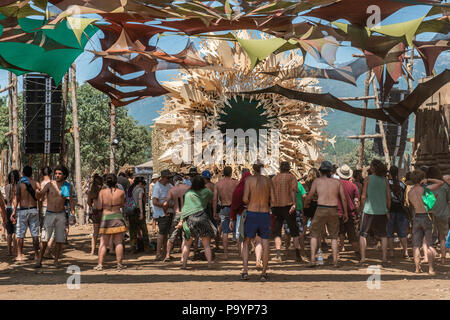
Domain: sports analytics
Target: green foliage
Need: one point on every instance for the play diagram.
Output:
(346, 152)
(93, 118)
(4, 125)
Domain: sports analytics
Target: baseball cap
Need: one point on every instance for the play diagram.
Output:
(207, 174)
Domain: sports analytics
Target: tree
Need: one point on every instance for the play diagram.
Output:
(93, 117)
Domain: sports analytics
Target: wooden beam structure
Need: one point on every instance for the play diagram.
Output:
(366, 136)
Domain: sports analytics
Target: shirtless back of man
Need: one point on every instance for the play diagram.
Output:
(415, 199)
(24, 197)
(224, 189)
(257, 193)
(327, 190)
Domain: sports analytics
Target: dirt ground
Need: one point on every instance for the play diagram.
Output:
(146, 279)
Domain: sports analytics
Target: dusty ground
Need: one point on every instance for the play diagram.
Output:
(147, 279)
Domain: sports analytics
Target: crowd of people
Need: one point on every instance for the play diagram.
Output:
(191, 211)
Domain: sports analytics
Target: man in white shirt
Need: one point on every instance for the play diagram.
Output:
(162, 217)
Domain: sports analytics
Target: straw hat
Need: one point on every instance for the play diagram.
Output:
(344, 172)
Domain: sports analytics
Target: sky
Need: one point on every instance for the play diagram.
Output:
(87, 69)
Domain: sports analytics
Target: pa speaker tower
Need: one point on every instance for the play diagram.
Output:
(43, 115)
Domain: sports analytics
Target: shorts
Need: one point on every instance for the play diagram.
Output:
(348, 228)
(10, 227)
(164, 224)
(397, 222)
(375, 222)
(27, 218)
(299, 216)
(224, 215)
(282, 214)
(422, 228)
(325, 216)
(54, 222)
(257, 223)
(175, 233)
(442, 227)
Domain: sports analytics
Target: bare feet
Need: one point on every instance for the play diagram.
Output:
(418, 269)
(259, 265)
(21, 259)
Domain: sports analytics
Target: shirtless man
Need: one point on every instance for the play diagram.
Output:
(223, 191)
(46, 173)
(27, 216)
(422, 225)
(55, 217)
(329, 191)
(258, 190)
(175, 200)
(283, 208)
(42, 204)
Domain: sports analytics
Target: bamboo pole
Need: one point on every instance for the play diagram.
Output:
(65, 94)
(380, 124)
(363, 123)
(76, 131)
(15, 124)
(365, 98)
(10, 113)
(112, 127)
(365, 136)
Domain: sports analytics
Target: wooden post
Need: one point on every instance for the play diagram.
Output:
(363, 122)
(15, 163)
(76, 132)
(65, 95)
(380, 124)
(10, 121)
(112, 126)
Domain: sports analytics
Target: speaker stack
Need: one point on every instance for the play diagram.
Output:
(43, 115)
(396, 135)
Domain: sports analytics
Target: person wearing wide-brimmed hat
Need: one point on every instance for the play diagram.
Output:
(162, 217)
(352, 196)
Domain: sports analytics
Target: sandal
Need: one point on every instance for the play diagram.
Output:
(38, 265)
(244, 276)
(386, 264)
(264, 277)
(98, 268)
(311, 265)
(121, 267)
(363, 264)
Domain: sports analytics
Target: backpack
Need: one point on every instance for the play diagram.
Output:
(130, 204)
(428, 198)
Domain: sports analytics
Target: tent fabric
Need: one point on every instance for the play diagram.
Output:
(394, 114)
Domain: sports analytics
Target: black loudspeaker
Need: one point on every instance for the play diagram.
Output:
(43, 115)
(396, 135)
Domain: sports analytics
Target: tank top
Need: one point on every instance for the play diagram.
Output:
(376, 196)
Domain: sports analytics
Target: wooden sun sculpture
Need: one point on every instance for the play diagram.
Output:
(208, 94)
